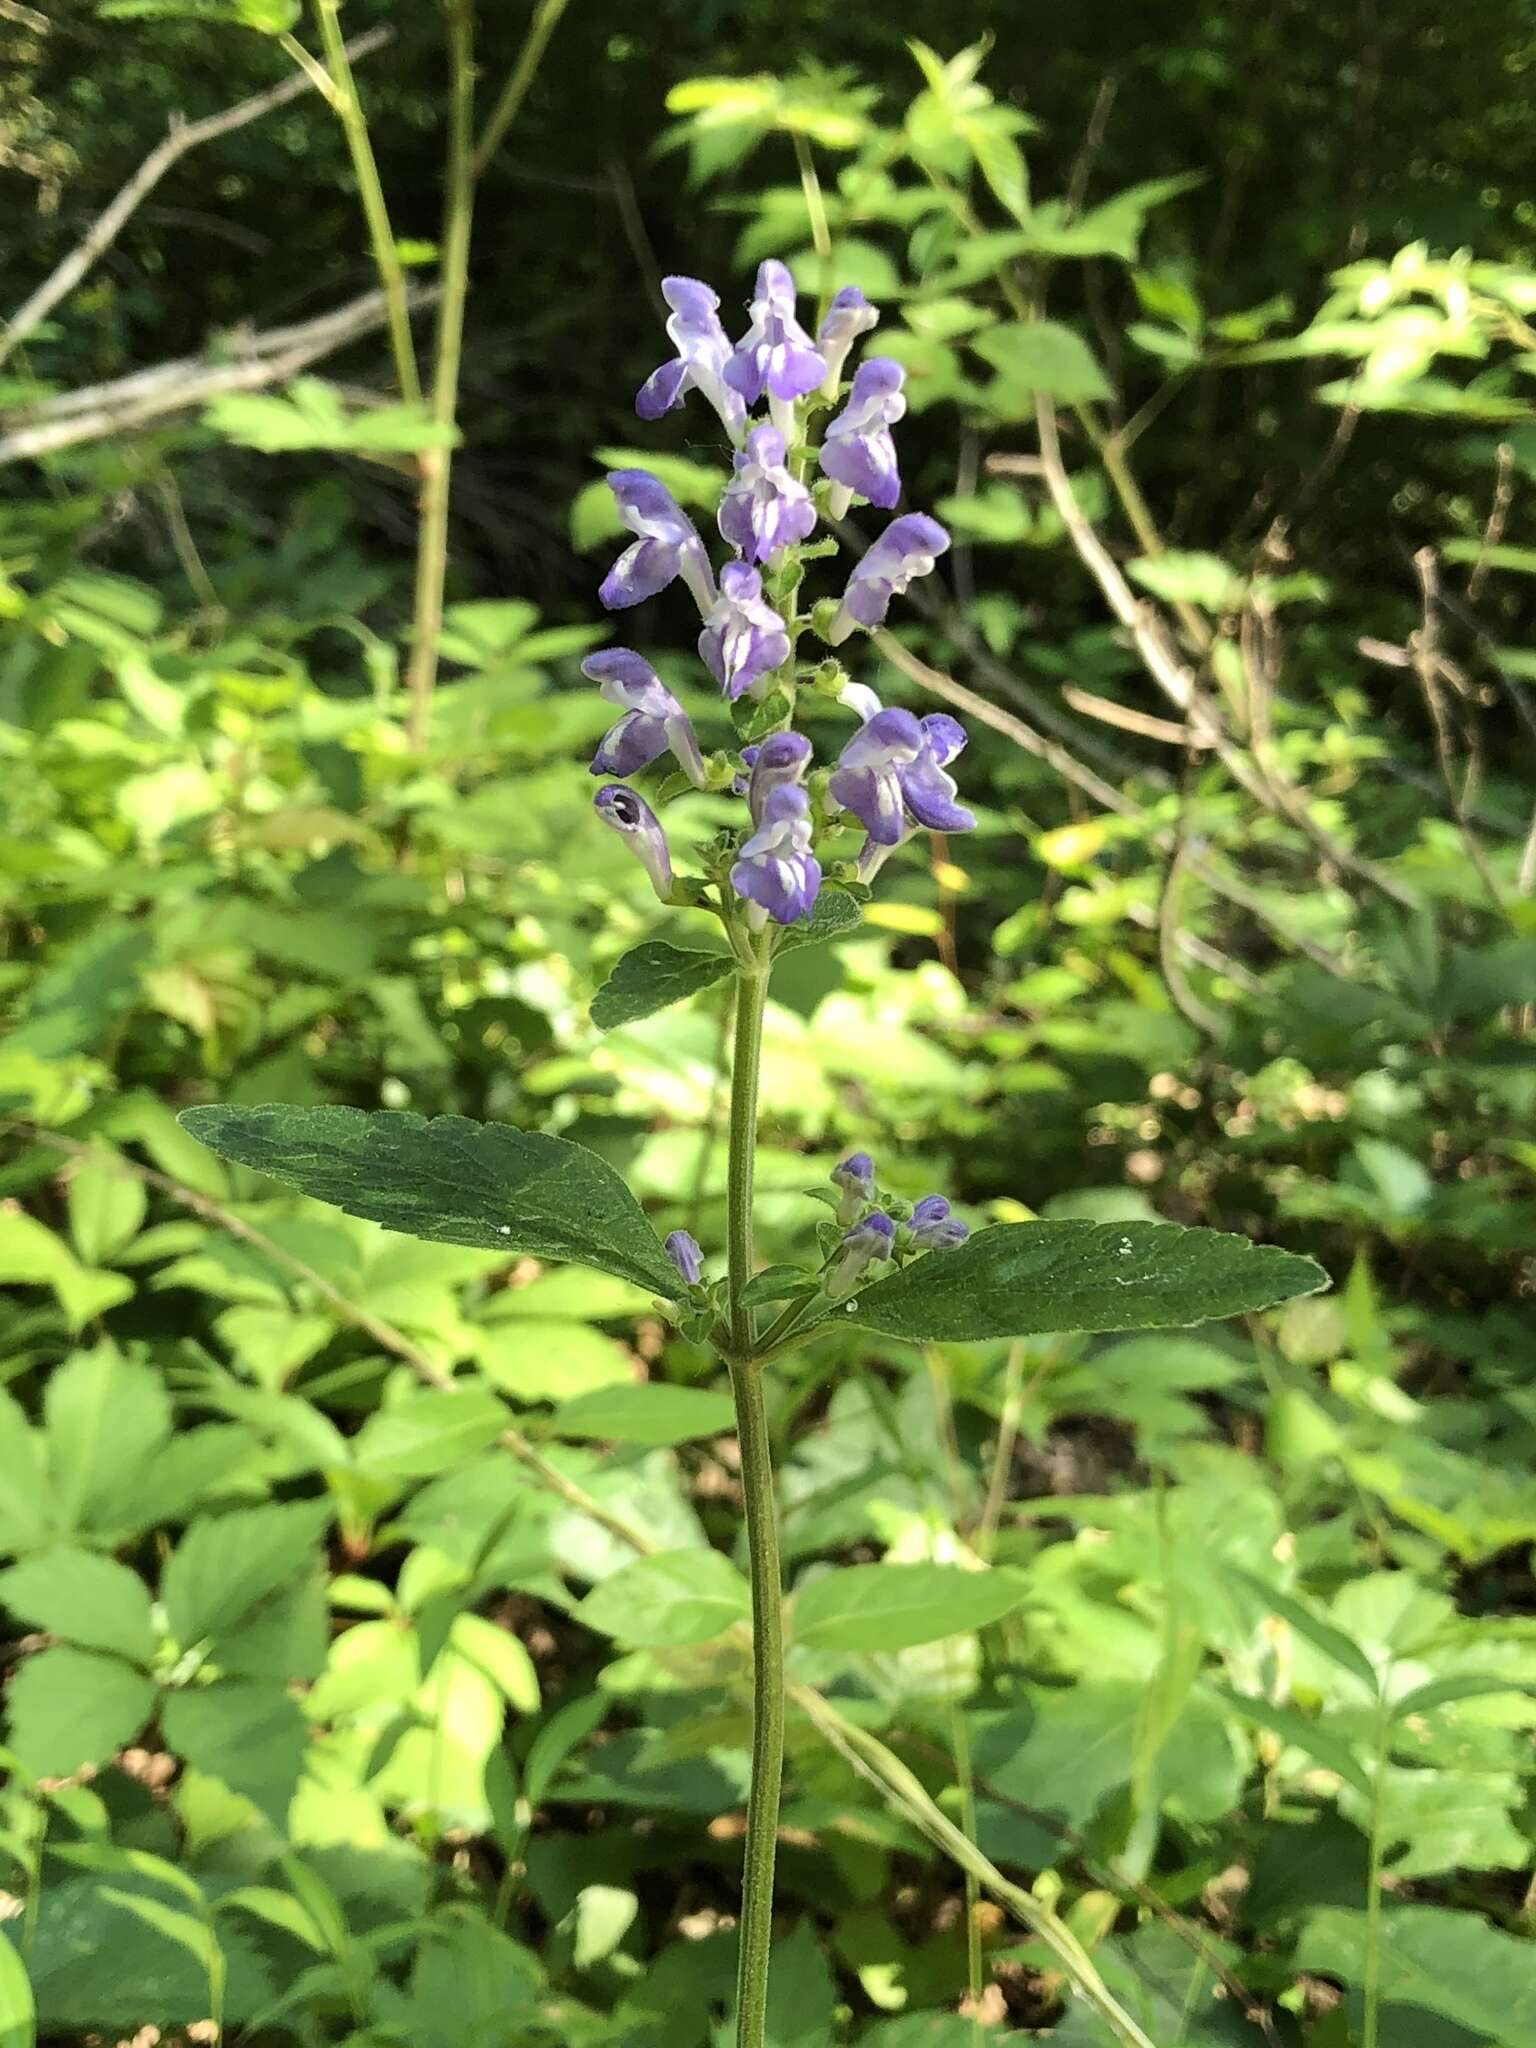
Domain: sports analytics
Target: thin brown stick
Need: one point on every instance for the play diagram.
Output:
(1498, 519)
(1173, 676)
(154, 394)
(1432, 668)
(1077, 776)
(1142, 723)
(183, 136)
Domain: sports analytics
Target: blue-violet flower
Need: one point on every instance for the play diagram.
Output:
(684, 1251)
(867, 779)
(849, 315)
(703, 350)
(867, 1244)
(634, 820)
(781, 759)
(935, 1227)
(744, 639)
(857, 450)
(907, 549)
(764, 508)
(653, 719)
(775, 354)
(777, 873)
(668, 545)
(855, 1181)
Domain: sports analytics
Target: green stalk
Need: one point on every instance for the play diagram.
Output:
(437, 463)
(756, 1936)
(1370, 2030)
(510, 99)
(349, 111)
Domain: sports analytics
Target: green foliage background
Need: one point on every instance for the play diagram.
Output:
(372, 1608)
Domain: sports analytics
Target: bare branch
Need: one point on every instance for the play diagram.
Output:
(149, 395)
(182, 136)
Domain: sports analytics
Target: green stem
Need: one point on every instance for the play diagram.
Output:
(437, 463)
(756, 1936)
(349, 111)
(1372, 1985)
(510, 98)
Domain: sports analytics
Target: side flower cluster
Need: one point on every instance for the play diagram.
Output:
(873, 1234)
(806, 447)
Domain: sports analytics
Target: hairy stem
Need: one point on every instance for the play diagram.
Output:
(756, 1938)
(349, 111)
(437, 463)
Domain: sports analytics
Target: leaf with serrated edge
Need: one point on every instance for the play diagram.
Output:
(653, 977)
(450, 1181)
(1026, 1279)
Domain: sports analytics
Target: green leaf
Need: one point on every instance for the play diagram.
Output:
(107, 1418)
(1333, 1643)
(18, 2014)
(85, 1598)
(250, 1736)
(450, 1181)
(226, 1564)
(1453, 1964)
(653, 977)
(1444, 1692)
(835, 915)
(663, 1602)
(106, 1207)
(894, 1606)
(645, 1414)
(1190, 578)
(69, 1708)
(1039, 356)
(1025, 1279)
(1291, 1725)
(427, 1431)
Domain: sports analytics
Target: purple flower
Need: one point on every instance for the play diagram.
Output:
(867, 1244)
(668, 547)
(777, 873)
(867, 780)
(907, 549)
(775, 354)
(653, 719)
(632, 817)
(743, 639)
(684, 1252)
(855, 1181)
(764, 508)
(935, 1227)
(703, 351)
(782, 759)
(849, 315)
(928, 792)
(857, 451)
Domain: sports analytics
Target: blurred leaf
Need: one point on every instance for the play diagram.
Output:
(678, 1597)
(648, 1414)
(69, 1708)
(85, 1598)
(894, 1606)
(1038, 356)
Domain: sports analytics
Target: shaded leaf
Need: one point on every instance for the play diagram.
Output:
(450, 1181)
(894, 1606)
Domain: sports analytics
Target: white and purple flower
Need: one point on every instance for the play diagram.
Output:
(891, 774)
(869, 1243)
(744, 639)
(935, 1227)
(775, 354)
(855, 1183)
(765, 508)
(668, 545)
(637, 824)
(781, 760)
(703, 350)
(777, 873)
(849, 315)
(907, 549)
(858, 450)
(653, 720)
